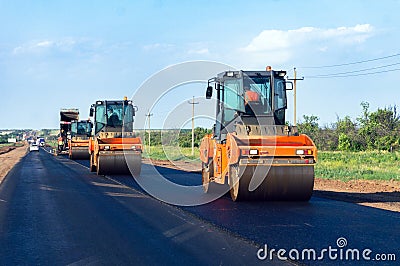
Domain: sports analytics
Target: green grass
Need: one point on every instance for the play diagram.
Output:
(18, 144)
(6, 145)
(171, 153)
(52, 143)
(369, 165)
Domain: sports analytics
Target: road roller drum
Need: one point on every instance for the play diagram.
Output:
(119, 163)
(278, 183)
(79, 154)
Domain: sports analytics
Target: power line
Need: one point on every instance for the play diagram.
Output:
(193, 103)
(148, 117)
(295, 95)
(354, 71)
(354, 75)
(353, 63)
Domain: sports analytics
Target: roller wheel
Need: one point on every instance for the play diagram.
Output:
(234, 182)
(205, 177)
(99, 170)
(92, 166)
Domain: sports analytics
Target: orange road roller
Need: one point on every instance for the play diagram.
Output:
(78, 143)
(251, 147)
(114, 147)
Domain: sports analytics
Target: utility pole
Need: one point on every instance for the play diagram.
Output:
(294, 96)
(148, 117)
(193, 103)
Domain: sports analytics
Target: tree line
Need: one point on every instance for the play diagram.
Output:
(379, 130)
(181, 138)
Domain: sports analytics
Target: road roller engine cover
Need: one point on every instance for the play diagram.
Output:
(78, 143)
(251, 147)
(114, 148)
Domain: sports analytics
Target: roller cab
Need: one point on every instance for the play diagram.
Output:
(251, 148)
(113, 146)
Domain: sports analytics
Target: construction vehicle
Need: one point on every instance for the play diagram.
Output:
(66, 117)
(78, 143)
(114, 148)
(251, 147)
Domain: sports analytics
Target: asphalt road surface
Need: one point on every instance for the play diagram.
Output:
(54, 211)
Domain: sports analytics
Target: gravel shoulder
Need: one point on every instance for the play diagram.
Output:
(9, 157)
(374, 193)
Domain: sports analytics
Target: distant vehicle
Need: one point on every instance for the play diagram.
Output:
(33, 147)
(40, 142)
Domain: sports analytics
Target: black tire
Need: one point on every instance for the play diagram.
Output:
(92, 166)
(205, 177)
(234, 182)
(98, 170)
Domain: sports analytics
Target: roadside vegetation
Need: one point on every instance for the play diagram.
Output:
(171, 153)
(18, 144)
(173, 144)
(6, 144)
(52, 143)
(379, 131)
(367, 147)
(349, 165)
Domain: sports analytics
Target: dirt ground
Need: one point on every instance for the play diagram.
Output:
(373, 193)
(9, 156)
(377, 194)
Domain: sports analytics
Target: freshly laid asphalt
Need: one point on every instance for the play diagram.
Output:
(317, 224)
(54, 211)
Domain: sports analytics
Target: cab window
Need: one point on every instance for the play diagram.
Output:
(233, 98)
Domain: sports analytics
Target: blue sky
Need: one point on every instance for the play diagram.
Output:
(62, 54)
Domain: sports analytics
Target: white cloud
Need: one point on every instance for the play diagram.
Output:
(349, 35)
(269, 40)
(323, 49)
(194, 48)
(156, 46)
(278, 46)
(151, 46)
(43, 46)
(33, 47)
(201, 51)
